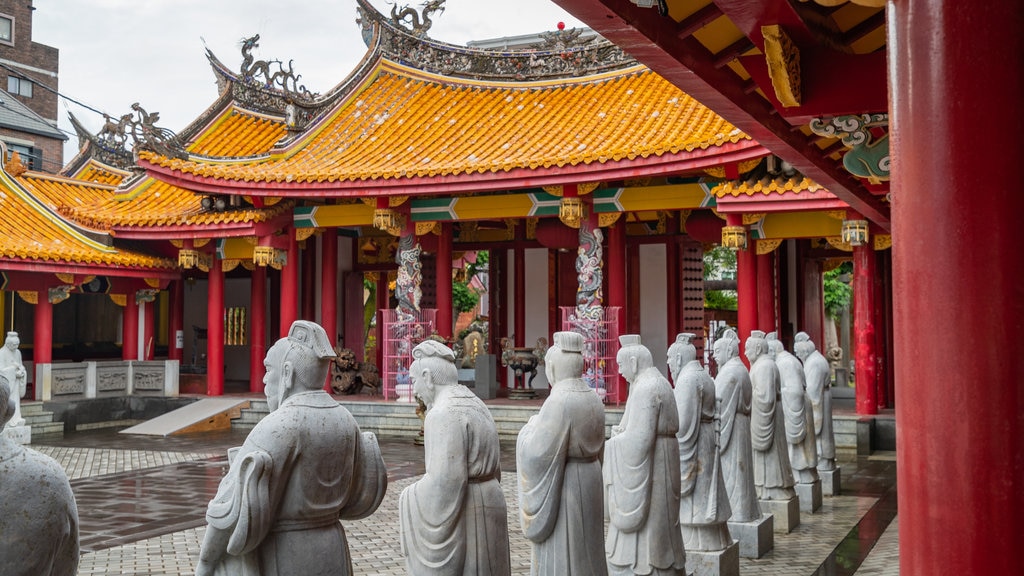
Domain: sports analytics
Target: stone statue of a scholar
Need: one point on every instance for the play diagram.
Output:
(12, 367)
(301, 470)
(38, 516)
(799, 424)
(453, 520)
(704, 502)
(773, 476)
(641, 473)
(558, 460)
(819, 390)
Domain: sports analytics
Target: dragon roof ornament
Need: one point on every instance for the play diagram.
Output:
(117, 140)
(560, 54)
(108, 146)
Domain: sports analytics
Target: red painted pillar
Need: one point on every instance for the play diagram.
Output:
(746, 286)
(765, 292)
(308, 284)
(42, 340)
(881, 380)
(148, 326)
(329, 288)
(129, 328)
(215, 329)
(864, 352)
(443, 276)
(176, 319)
(958, 304)
(616, 278)
(290, 286)
(257, 328)
(673, 291)
(519, 320)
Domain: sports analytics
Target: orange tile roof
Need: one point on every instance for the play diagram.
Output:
(406, 123)
(99, 173)
(31, 231)
(771, 187)
(238, 132)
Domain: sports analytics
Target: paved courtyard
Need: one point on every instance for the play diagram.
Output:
(142, 502)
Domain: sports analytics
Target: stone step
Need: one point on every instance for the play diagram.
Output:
(41, 421)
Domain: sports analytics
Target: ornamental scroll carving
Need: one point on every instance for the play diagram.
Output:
(868, 156)
(150, 381)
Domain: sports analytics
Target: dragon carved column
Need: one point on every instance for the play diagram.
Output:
(407, 282)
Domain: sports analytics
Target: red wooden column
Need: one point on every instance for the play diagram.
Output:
(864, 353)
(765, 290)
(290, 286)
(257, 328)
(443, 277)
(215, 329)
(616, 276)
(308, 283)
(129, 327)
(148, 351)
(42, 333)
(519, 279)
(176, 319)
(329, 288)
(957, 295)
(746, 287)
(673, 290)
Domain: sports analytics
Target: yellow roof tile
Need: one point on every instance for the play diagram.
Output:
(765, 188)
(93, 171)
(405, 123)
(238, 132)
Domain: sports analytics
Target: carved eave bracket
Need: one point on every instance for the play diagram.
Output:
(867, 137)
(783, 58)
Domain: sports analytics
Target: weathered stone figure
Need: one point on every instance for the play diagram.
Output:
(558, 460)
(797, 412)
(14, 370)
(733, 392)
(641, 472)
(704, 502)
(773, 475)
(304, 467)
(819, 390)
(453, 520)
(38, 516)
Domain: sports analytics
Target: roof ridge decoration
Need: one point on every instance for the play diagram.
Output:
(560, 55)
(106, 146)
(418, 22)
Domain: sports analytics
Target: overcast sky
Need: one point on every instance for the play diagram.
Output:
(116, 52)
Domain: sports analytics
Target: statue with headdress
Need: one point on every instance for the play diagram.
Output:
(797, 413)
(773, 476)
(819, 390)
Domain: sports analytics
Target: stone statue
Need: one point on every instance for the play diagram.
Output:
(773, 475)
(453, 520)
(796, 409)
(704, 502)
(302, 468)
(14, 370)
(733, 392)
(558, 460)
(641, 472)
(38, 515)
(819, 390)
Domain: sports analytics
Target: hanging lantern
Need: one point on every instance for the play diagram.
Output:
(734, 237)
(388, 220)
(570, 211)
(264, 255)
(855, 232)
(188, 258)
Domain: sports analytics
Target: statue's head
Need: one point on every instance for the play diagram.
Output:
(433, 366)
(680, 353)
(803, 346)
(727, 347)
(633, 357)
(297, 363)
(755, 345)
(774, 345)
(6, 402)
(12, 342)
(564, 359)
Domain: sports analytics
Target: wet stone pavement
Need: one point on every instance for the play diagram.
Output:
(142, 502)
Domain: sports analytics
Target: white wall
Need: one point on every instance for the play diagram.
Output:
(536, 304)
(653, 321)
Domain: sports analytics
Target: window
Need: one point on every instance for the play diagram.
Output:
(19, 86)
(6, 29)
(31, 156)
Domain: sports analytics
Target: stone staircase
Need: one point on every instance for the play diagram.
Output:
(399, 419)
(41, 421)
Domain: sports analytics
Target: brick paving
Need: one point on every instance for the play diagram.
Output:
(141, 510)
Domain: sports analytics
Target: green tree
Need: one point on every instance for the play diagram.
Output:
(464, 299)
(720, 264)
(838, 292)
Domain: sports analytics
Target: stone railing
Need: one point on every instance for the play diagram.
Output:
(80, 380)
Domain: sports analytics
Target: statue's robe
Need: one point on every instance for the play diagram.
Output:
(38, 515)
(799, 416)
(772, 472)
(302, 468)
(819, 390)
(733, 390)
(641, 483)
(454, 519)
(703, 499)
(561, 506)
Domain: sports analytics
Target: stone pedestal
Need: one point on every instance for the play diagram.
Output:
(755, 538)
(18, 434)
(718, 563)
(486, 385)
(786, 513)
(830, 481)
(521, 393)
(809, 495)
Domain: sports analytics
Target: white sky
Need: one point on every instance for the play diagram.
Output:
(116, 52)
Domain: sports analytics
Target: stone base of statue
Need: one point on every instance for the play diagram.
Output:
(830, 481)
(786, 513)
(755, 538)
(18, 434)
(809, 495)
(718, 563)
(521, 393)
